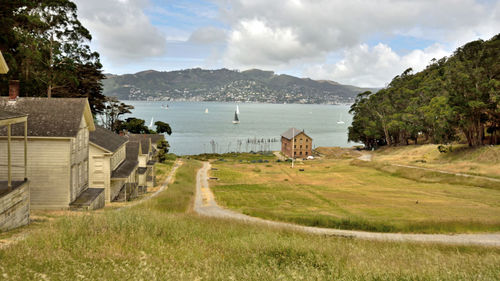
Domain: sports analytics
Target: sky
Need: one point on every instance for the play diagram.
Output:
(361, 43)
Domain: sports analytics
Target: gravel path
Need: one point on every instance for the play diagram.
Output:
(205, 205)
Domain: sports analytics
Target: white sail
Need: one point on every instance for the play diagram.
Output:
(206, 110)
(340, 120)
(237, 110)
(151, 123)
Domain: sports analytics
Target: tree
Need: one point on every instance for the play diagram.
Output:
(162, 127)
(134, 126)
(163, 148)
(452, 95)
(47, 48)
(467, 89)
(112, 111)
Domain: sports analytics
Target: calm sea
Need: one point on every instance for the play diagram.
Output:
(194, 131)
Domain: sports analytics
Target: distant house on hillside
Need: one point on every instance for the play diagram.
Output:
(58, 133)
(110, 166)
(295, 143)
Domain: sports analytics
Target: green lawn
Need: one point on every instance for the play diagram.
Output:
(157, 241)
(340, 194)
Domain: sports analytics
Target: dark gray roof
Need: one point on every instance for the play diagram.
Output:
(107, 139)
(155, 138)
(290, 133)
(124, 169)
(145, 146)
(142, 170)
(55, 117)
(132, 151)
(9, 114)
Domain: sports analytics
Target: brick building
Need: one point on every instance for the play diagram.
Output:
(301, 147)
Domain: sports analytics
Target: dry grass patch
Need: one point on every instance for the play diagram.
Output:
(334, 193)
(158, 242)
(483, 160)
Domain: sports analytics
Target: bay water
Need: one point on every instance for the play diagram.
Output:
(206, 127)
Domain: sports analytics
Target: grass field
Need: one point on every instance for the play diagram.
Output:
(484, 161)
(339, 194)
(158, 241)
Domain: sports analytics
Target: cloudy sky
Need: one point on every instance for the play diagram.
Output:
(363, 43)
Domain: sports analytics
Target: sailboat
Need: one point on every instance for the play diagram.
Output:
(206, 110)
(236, 119)
(340, 122)
(151, 123)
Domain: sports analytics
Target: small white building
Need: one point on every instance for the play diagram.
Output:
(110, 168)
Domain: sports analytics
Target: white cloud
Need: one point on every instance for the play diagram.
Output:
(122, 32)
(254, 43)
(291, 34)
(374, 66)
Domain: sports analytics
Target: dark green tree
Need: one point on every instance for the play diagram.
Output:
(162, 127)
(47, 48)
(163, 148)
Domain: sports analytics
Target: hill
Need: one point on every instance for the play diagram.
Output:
(226, 85)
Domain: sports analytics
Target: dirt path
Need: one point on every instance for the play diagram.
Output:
(205, 205)
(279, 155)
(365, 157)
(164, 186)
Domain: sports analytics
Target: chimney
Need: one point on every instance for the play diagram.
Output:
(13, 90)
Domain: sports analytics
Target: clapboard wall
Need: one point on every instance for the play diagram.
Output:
(15, 208)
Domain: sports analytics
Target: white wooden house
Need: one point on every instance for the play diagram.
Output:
(58, 148)
(110, 168)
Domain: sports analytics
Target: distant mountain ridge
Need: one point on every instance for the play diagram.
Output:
(227, 85)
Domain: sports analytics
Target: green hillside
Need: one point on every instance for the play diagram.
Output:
(226, 85)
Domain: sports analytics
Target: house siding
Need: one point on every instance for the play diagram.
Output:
(15, 208)
(79, 161)
(48, 172)
(101, 165)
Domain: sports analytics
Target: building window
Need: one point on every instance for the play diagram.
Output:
(307, 140)
(301, 153)
(301, 146)
(306, 146)
(306, 152)
(295, 153)
(294, 146)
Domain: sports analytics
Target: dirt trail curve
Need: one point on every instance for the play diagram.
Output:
(205, 205)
